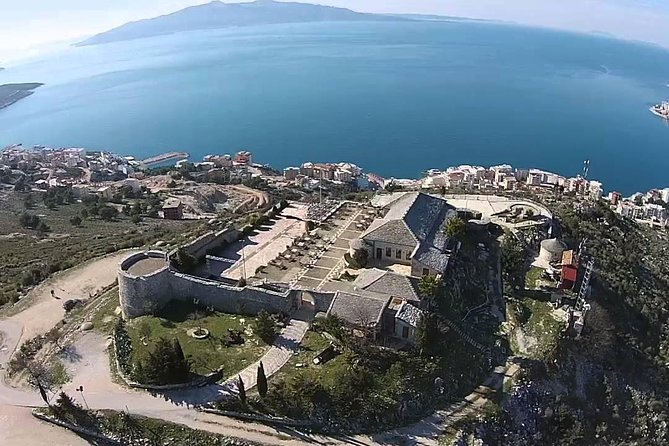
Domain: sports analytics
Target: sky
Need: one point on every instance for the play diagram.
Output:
(31, 27)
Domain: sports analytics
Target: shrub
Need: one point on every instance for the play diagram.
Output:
(166, 364)
(123, 346)
(265, 327)
(456, 228)
(107, 213)
(29, 220)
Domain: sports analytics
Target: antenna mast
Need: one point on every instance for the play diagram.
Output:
(586, 168)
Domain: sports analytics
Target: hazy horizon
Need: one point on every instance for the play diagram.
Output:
(37, 26)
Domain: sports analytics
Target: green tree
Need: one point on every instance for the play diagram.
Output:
(178, 351)
(66, 403)
(136, 209)
(29, 201)
(166, 364)
(262, 380)
(428, 334)
(108, 213)
(513, 258)
(29, 220)
(76, 220)
(43, 227)
(50, 202)
(84, 213)
(430, 288)
(456, 228)
(241, 390)
(265, 327)
(136, 219)
(184, 261)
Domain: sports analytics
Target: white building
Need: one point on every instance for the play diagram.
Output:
(290, 173)
(664, 195)
(411, 233)
(344, 176)
(595, 190)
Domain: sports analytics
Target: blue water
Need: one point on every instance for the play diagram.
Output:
(395, 98)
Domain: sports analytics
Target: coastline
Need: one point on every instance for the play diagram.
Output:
(10, 94)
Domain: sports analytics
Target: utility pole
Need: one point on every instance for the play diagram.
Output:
(80, 389)
(586, 168)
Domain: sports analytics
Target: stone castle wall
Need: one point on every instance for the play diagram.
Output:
(140, 295)
(231, 299)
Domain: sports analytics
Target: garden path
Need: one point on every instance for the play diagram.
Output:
(284, 346)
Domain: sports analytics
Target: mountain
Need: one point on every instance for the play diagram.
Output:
(216, 15)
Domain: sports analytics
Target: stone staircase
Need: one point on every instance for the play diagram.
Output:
(284, 346)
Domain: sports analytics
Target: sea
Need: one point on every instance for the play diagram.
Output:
(395, 98)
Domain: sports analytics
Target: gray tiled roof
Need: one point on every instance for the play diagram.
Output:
(359, 308)
(409, 314)
(387, 282)
(435, 251)
(391, 231)
(417, 219)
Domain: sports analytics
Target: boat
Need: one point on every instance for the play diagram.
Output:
(661, 110)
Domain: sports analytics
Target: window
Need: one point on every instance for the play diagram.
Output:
(398, 254)
(405, 332)
(408, 255)
(426, 272)
(389, 252)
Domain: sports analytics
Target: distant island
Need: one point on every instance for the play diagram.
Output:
(11, 93)
(216, 15)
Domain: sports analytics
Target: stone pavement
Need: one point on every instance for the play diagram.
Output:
(282, 349)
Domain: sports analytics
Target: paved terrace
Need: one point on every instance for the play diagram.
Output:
(345, 225)
(492, 204)
(265, 245)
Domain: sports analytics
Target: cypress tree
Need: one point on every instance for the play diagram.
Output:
(178, 351)
(241, 390)
(262, 380)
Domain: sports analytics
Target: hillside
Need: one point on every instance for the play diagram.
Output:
(610, 386)
(217, 15)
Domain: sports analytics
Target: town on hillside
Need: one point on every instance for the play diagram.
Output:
(322, 298)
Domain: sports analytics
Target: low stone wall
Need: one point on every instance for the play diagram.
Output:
(80, 430)
(259, 418)
(199, 247)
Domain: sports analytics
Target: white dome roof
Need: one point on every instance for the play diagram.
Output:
(553, 245)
